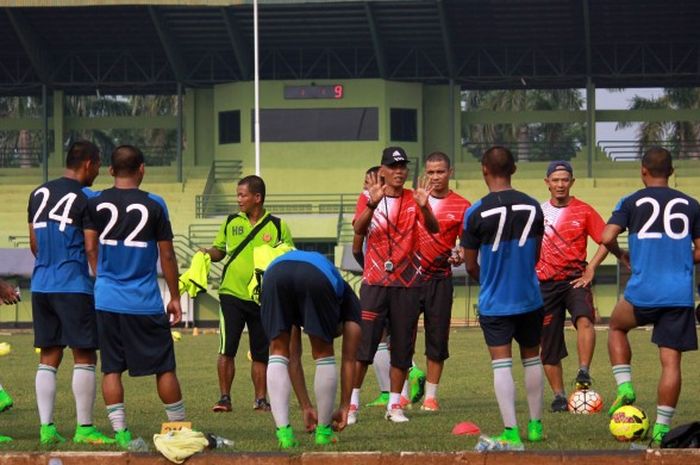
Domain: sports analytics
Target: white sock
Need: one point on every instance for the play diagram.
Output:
(622, 373)
(534, 386)
(404, 390)
(664, 414)
(175, 411)
(505, 390)
(355, 398)
(382, 366)
(430, 390)
(325, 385)
(117, 416)
(0, 387)
(279, 387)
(45, 392)
(84, 391)
(394, 399)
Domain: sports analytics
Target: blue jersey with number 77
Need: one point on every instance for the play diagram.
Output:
(130, 223)
(506, 228)
(662, 224)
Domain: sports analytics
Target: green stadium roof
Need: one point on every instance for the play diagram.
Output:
(148, 47)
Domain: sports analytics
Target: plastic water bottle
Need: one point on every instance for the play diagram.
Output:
(222, 441)
(138, 445)
(485, 443)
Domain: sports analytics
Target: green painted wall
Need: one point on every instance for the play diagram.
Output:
(437, 106)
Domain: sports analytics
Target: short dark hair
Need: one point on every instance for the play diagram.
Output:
(499, 160)
(658, 161)
(81, 151)
(126, 160)
(374, 169)
(438, 156)
(255, 184)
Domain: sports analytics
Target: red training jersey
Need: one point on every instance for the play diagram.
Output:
(566, 231)
(435, 249)
(392, 236)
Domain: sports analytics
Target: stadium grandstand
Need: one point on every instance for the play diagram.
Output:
(339, 81)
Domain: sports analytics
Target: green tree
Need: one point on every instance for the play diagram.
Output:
(680, 137)
(535, 141)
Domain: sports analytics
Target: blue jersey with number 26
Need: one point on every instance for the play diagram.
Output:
(662, 224)
(130, 223)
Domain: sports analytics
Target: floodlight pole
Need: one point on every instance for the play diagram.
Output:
(256, 85)
(45, 130)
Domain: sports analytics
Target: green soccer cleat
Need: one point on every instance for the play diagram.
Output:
(510, 439)
(123, 438)
(5, 439)
(285, 437)
(5, 400)
(325, 435)
(48, 435)
(534, 431)
(625, 396)
(380, 401)
(416, 383)
(90, 435)
(658, 433)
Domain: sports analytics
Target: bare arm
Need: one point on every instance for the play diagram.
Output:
(216, 254)
(351, 340)
(589, 272)
(296, 375)
(168, 264)
(471, 263)
(32, 241)
(92, 248)
(357, 243)
(696, 250)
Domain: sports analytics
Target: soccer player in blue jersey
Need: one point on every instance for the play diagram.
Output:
(506, 229)
(304, 290)
(63, 310)
(126, 230)
(664, 243)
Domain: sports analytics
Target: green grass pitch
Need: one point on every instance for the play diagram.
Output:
(466, 393)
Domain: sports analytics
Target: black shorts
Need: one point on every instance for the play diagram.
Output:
(141, 344)
(525, 328)
(64, 319)
(436, 305)
(558, 297)
(234, 316)
(298, 294)
(674, 327)
(401, 306)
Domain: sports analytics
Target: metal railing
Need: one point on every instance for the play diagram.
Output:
(19, 242)
(528, 151)
(215, 205)
(624, 150)
(15, 158)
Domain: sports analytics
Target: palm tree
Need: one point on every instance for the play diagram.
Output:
(538, 141)
(680, 136)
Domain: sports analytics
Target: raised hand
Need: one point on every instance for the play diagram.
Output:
(8, 294)
(375, 188)
(422, 192)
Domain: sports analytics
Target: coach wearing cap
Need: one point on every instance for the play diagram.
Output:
(388, 215)
(565, 278)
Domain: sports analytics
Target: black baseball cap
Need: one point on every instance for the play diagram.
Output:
(559, 165)
(393, 155)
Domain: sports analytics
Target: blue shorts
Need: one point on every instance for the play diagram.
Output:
(142, 344)
(525, 328)
(674, 327)
(299, 294)
(64, 319)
